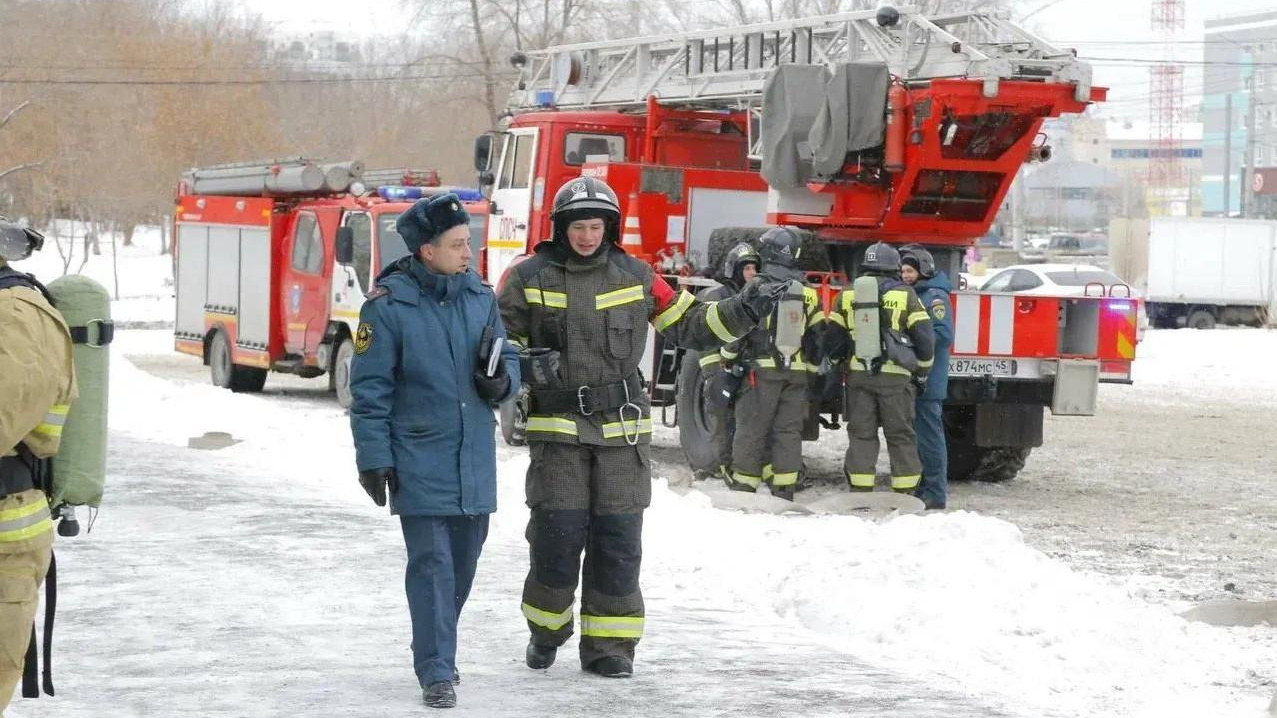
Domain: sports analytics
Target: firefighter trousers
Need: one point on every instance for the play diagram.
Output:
(933, 451)
(768, 445)
(586, 499)
(443, 552)
(23, 565)
(883, 400)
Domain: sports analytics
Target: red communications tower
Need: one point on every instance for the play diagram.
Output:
(1165, 175)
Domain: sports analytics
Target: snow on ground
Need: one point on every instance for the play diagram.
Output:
(258, 580)
(145, 276)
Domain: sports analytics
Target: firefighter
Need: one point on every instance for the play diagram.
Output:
(422, 422)
(881, 370)
(723, 380)
(918, 270)
(772, 405)
(580, 306)
(37, 381)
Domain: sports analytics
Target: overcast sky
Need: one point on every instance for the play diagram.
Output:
(1097, 28)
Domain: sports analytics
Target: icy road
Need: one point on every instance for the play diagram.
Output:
(258, 580)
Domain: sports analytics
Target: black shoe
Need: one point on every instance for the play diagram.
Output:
(540, 657)
(612, 667)
(783, 492)
(934, 505)
(456, 677)
(735, 485)
(439, 695)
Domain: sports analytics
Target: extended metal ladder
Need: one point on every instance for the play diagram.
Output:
(727, 68)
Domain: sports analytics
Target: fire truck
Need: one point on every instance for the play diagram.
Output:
(272, 260)
(853, 128)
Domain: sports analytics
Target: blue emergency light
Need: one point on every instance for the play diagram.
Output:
(545, 98)
(396, 193)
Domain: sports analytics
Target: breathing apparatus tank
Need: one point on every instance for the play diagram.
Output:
(79, 467)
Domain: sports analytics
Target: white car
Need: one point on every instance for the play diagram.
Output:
(1064, 280)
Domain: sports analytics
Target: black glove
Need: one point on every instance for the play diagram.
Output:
(920, 381)
(540, 367)
(492, 388)
(375, 481)
(759, 297)
(721, 388)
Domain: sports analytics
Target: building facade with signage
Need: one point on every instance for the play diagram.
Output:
(1239, 114)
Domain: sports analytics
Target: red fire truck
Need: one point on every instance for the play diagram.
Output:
(272, 260)
(856, 128)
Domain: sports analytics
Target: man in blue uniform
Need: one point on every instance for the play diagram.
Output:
(423, 422)
(918, 269)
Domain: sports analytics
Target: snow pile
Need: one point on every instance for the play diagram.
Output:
(960, 601)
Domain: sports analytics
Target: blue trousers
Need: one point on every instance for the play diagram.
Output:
(443, 552)
(928, 424)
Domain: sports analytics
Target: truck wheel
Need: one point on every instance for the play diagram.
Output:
(514, 419)
(341, 372)
(701, 431)
(236, 377)
(1201, 319)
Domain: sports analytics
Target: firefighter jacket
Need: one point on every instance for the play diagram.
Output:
(901, 311)
(415, 406)
(757, 349)
(595, 313)
(934, 295)
(37, 381)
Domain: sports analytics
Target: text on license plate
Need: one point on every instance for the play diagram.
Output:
(979, 367)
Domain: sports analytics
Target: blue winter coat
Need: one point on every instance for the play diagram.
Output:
(934, 294)
(415, 406)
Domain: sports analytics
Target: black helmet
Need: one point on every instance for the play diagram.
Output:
(881, 258)
(780, 246)
(17, 243)
(737, 258)
(920, 258)
(586, 198)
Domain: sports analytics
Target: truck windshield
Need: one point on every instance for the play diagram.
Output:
(390, 246)
(1083, 277)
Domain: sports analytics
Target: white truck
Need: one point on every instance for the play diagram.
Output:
(1206, 270)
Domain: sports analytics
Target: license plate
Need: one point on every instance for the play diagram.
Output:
(980, 367)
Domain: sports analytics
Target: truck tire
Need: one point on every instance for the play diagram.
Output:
(699, 431)
(224, 373)
(514, 419)
(340, 372)
(1200, 319)
(814, 258)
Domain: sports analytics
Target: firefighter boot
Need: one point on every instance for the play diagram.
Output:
(612, 667)
(783, 492)
(439, 695)
(540, 657)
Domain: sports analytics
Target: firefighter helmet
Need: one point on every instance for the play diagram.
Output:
(920, 258)
(780, 246)
(17, 242)
(737, 258)
(881, 258)
(586, 198)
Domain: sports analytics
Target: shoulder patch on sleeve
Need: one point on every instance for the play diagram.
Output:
(937, 308)
(363, 337)
(376, 292)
